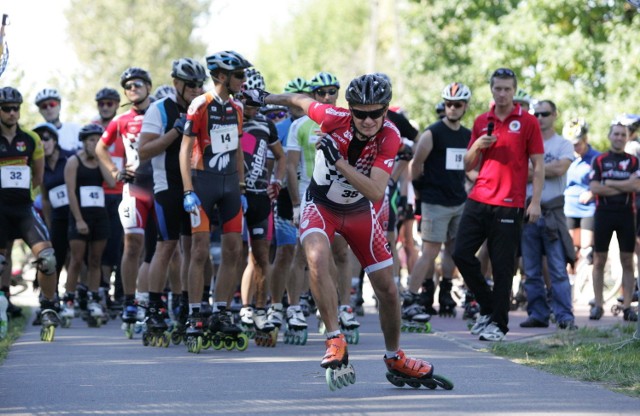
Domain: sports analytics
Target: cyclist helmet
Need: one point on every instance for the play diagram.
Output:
(267, 108)
(521, 96)
(188, 69)
(368, 89)
(90, 129)
(324, 79)
(10, 95)
(383, 75)
(164, 91)
(227, 60)
(134, 73)
(254, 80)
(630, 121)
(575, 129)
(107, 94)
(456, 92)
(48, 127)
(47, 94)
(297, 85)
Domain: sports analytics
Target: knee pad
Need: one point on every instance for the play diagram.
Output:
(46, 261)
(3, 263)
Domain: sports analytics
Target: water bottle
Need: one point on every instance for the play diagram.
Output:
(4, 323)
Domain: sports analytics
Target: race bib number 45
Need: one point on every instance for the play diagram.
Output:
(91, 196)
(15, 177)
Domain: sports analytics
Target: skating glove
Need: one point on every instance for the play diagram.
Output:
(179, 124)
(191, 202)
(328, 147)
(406, 153)
(255, 97)
(125, 176)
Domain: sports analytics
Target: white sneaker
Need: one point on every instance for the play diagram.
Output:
(246, 316)
(481, 323)
(492, 333)
(275, 315)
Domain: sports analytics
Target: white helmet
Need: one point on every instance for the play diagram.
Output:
(456, 92)
(48, 94)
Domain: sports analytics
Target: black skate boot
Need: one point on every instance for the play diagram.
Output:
(471, 308)
(156, 329)
(447, 304)
(414, 316)
(629, 314)
(427, 296)
(222, 332)
(194, 334)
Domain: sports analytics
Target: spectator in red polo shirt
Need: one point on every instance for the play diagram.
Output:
(503, 141)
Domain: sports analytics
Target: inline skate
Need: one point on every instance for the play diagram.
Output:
(179, 330)
(414, 373)
(275, 314)
(96, 316)
(296, 327)
(156, 331)
(427, 296)
(246, 321)
(348, 324)
(129, 318)
(618, 308)
(414, 317)
(357, 301)
(471, 308)
(221, 332)
(447, 304)
(49, 320)
(68, 310)
(194, 334)
(339, 372)
(266, 333)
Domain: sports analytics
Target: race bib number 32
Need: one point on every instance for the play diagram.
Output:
(15, 177)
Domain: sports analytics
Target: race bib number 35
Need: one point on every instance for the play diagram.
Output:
(342, 193)
(15, 177)
(91, 196)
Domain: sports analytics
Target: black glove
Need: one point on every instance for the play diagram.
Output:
(125, 176)
(328, 147)
(406, 153)
(255, 97)
(179, 124)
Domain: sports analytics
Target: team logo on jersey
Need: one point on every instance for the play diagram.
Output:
(389, 163)
(304, 224)
(624, 164)
(21, 146)
(514, 126)
(229, 110)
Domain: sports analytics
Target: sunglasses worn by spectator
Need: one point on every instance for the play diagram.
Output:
(276, 114)
(193, 85)
(9, 108)
(456, 104)
(503, 72)
(542, 114)
(239, 74)
(107, 104)
(50, 104)
(45, 137)
(373, 115)
(322, 93)
(134, 84)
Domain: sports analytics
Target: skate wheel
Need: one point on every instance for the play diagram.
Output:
(394, 380)
(305, 334)
(356, 336)
(427, 327)
(176, 338)
(128, 331)
(145, 339)
(414, 384)
(403, 328)
(331, 381)
(206, 342)
(411, 329)
(443, 382)
(66, 322)
(242, 342)
(217, 343)
(351, 377)
(229, 343)
(165, 340)
(47, 333)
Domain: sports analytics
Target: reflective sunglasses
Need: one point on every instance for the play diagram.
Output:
(107, 104)
(542, 114)
(373, 115)
(503, 72)
(456, 104)
(330, 91)
(49, 104)
(276, 114)
(193, 85)
(239, 74)
(133, 84)
(9, 108)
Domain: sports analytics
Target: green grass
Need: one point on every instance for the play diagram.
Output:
(16, 328)
(608, 356)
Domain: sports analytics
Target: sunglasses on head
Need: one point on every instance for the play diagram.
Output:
(330, 91)
(503, 72)
(133, 84)
(542, 114)
(456, 104)
(276, 114)
(107, 104)
(10, 108)
(49, 104)
(373, 115)
(239, 74)
(193, 85)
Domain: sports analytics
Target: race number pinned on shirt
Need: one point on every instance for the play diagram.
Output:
(127, 209)
(223, 138)
(58, 196)
(455, 158)
(91, 196)
(15, 177)
(343, 193)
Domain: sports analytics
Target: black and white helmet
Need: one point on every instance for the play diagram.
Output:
(456, 92)
(108, 94)
(47, 94)
(134, 73)
(227, 60)
(368, 89)
(188, 69)
(89, 129)
(10, 95)
(164, 91)
(254, 80)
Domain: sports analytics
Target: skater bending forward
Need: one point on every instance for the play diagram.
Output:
(352, 168)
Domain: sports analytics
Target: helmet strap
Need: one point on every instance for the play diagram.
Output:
(359, 133)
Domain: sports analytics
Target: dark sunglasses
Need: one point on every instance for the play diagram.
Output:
(322, 93)
(193, 85)
(456, 104)
(503, 72)
(373, 115)
(276, 114)
(133, 84)
(50, 104)
(107, 104)
(10, 108)
(542, 114)
(45, 137)
(239, 74)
